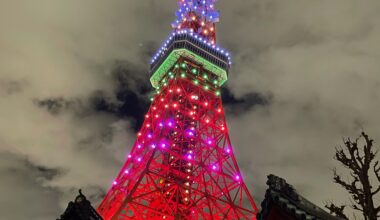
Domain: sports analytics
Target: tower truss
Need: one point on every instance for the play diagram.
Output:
(182, 165)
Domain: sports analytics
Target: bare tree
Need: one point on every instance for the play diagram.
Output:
(359, 158)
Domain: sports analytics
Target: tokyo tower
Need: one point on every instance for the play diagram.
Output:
(182, 165)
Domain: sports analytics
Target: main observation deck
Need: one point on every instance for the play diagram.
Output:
(192, 46)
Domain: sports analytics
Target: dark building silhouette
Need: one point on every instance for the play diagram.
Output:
(282, 202)
(80, 209)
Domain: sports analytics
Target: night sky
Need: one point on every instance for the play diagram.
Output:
(74, 87)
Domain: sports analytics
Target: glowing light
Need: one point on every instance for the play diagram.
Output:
(114, 183)
(126, 171)
(194, 97)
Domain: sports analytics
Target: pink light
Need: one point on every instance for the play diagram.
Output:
(163, 145)
(149, 135)
(178, 90)
(219, 110)
(126, 171)
(114, 183)
(189, 157)
(153, 146)
(139, 159)
(139, 146)
(228, 150)
(129, 156)
(237, 177)
(209, 142)
(161, 125)
(213, 167)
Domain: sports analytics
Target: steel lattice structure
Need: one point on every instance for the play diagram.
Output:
(182, 164)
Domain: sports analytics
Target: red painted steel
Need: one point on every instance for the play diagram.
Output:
(182, 164)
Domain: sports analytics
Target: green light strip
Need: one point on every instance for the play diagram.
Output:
(173, 58)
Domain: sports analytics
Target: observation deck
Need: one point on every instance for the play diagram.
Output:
(191, 46)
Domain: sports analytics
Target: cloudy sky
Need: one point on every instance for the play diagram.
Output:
(74, 87)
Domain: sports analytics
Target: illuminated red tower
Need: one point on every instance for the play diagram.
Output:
(182, 164)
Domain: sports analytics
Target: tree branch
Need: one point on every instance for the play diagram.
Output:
(336, 210)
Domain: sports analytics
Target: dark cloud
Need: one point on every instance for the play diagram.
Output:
(238, 105)
(74, 86)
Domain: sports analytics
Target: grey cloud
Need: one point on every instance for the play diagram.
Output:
(315, 63)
